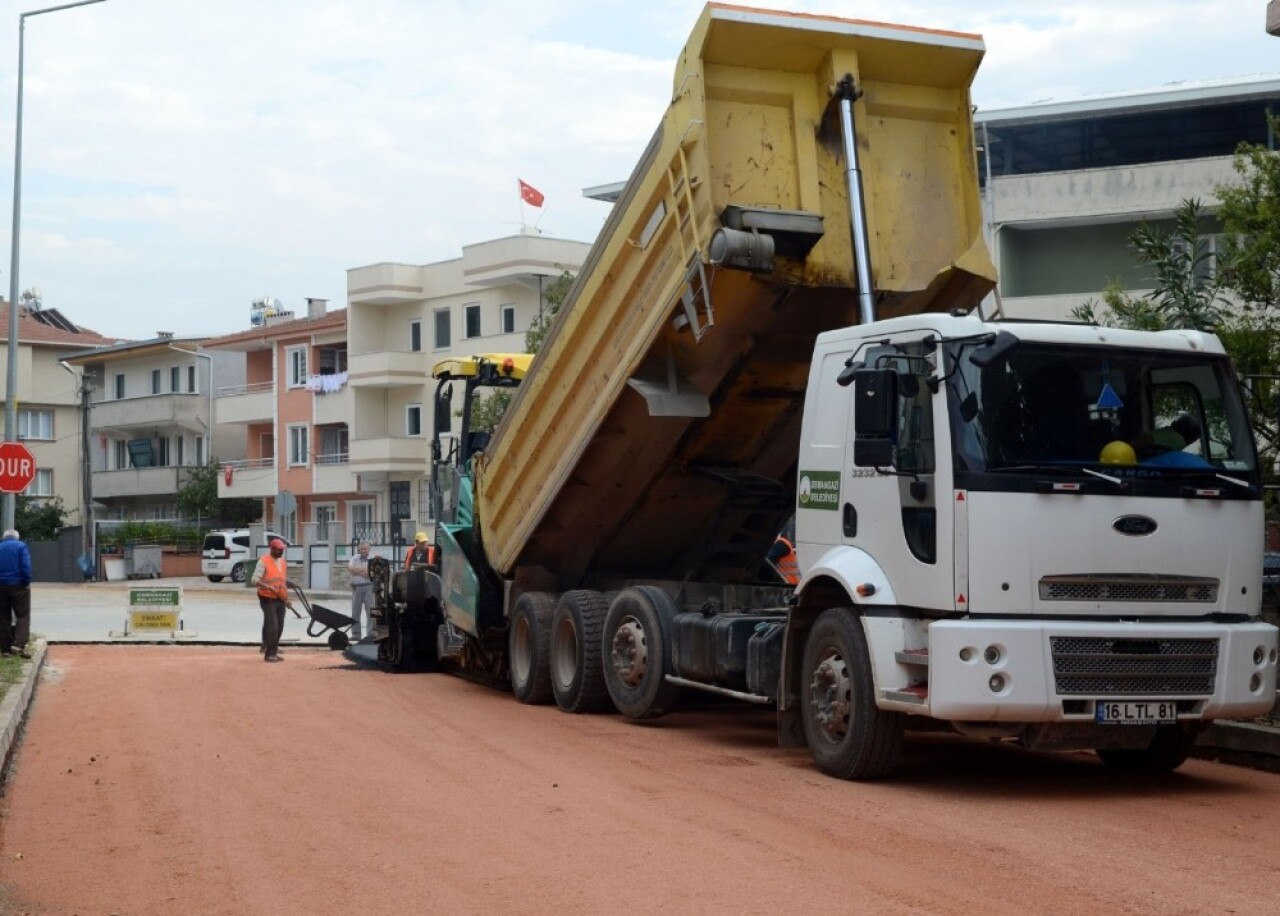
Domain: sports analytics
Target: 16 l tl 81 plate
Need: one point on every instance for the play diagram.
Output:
(1136, 712)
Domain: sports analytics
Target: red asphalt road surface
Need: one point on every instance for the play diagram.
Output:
(183, 779)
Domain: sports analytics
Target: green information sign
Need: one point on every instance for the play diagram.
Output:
(155, 597)
(819, 490)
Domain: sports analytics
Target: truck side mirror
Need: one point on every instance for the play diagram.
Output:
(875, 402)
(997, 349)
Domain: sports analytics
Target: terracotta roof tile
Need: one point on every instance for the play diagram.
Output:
(278, 330)
(32, 331)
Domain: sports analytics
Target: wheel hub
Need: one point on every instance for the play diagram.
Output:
(830, 695)
(630, 652)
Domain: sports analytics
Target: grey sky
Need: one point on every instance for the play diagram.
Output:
(183, 158)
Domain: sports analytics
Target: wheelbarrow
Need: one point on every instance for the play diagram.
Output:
(323, 619)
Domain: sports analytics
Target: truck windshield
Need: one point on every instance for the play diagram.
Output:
(1151, 419)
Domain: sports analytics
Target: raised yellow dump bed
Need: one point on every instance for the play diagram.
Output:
(657, 433)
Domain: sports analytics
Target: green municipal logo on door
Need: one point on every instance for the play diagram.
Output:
(819, 490)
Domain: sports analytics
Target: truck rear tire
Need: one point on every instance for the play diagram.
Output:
(848, 735)
(577, 676)
(239, 573)
(529, 647)
(637, 652)
(1168, 750)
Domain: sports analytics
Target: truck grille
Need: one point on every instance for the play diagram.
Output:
(1128, 588)
(1133, 667)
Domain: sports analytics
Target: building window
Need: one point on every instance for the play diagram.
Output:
(472, 311)
(122, 454)
(41, 484)
(162, 452)
(324, 515)
(175, 379)
(155, 381)
(179, 447)
(35, 424)
(442, 329)
(191, 379)
(200, 451)
(415, 335)
(298, 445)
(119, 385)
(360, 522)
(508, 314)
(331, 360)
(296, 358)
(413, 420)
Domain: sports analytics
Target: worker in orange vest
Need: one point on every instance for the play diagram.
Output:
(782, 555)
(421, 553)
(271, 576)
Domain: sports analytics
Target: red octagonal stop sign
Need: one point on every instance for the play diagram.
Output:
(17, 467)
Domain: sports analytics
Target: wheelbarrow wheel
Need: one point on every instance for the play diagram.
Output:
(338, 641)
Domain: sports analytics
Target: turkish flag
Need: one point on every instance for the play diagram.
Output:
(529, 194)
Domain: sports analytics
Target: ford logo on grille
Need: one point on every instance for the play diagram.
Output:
(1134, 525)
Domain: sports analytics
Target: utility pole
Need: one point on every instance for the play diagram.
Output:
(90, 539)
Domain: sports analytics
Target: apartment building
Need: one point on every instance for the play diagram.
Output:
(292, 415)
(150, 421)
(1066, 183)
(48, 400)
(403, 318)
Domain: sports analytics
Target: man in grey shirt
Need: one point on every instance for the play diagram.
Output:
(361, 590)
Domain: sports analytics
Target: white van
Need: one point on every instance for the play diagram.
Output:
(226, 553)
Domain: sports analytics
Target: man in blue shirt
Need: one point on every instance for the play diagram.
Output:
(15, 595)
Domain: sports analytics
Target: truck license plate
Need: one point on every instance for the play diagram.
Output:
(1151, 712)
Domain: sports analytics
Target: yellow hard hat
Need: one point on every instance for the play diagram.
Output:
(420, 536)
(1117, 451)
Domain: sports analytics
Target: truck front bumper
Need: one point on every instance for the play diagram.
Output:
(1057, 671)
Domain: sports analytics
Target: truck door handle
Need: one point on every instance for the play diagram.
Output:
(850, 521)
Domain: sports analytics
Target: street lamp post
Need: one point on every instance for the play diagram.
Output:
(11, 375)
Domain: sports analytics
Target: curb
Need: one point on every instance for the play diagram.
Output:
(1241, 736)
(13, 708)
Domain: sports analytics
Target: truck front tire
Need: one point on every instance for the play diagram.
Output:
(529, 647)
(848, 735)
(637, 652)
(577, 677)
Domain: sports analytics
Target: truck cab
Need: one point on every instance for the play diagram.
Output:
(1043, 531)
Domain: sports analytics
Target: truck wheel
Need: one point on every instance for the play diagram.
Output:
(238, 573)
(637, 652)
(214, 578)
(848, 735)
(577, 676)
(529, 647)
(1167, 751)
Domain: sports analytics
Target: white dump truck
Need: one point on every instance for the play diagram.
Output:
(1043, 532)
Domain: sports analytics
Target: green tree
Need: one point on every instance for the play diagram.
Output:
(488, 410)
(1250, 215)
(198, 498)
(554, 295)
(39, 519)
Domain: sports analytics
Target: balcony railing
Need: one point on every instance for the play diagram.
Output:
(228, 391)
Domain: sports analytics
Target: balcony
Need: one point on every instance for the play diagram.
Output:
(334, 407)
(246, 403)
(136, 482)
(385, 284)
(254, 478)
(400, 454)
(333, 474)
(388, 369)
(149, 412)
